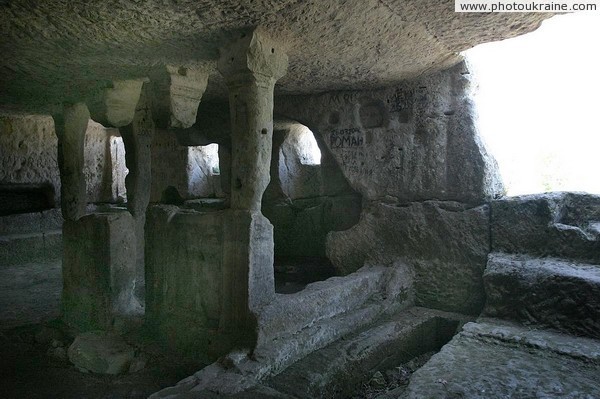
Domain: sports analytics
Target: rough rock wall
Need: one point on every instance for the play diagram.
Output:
(414, 141)
(299, 175)
(301, 227)
(203, 171)
(414, 153)
(28, 145)
(99, 271)
(446, 243)
(563, 225)
(169, 164)
(28, 151)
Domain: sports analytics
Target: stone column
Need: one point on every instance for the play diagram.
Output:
(251, 66)
(70, 129)
(99, 250)
(137, 138)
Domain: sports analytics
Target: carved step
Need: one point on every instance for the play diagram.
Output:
(547, 292)
(493, 359)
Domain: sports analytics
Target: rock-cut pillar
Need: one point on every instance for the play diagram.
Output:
(99, 249)
(250, 65)
(70, 129)
(137, 138)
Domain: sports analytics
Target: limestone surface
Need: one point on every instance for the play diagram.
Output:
(29, 149)
(338, 369)
(444, 243)
(545, 292)
(251, 65)
(184, 276)
(63, 50)
(409, 141)
(301, 226)
(99, 271)
(292, 326)
(563, 225)
(489, 359)
(104, 164)
(191, 170)
(187, 85)
(137, 140)
(115, 105)
(71, 126)
(101, 353)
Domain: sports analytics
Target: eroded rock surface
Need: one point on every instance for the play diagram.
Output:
(60, 50)
(445, 243)
(183, 276)
(492, 360)
(564, 225)
(29, 149)
(410, 141)
(102, 353)
(546, 292)
(99, 271)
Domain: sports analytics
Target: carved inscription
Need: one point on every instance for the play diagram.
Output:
(401, 103)
(346, 138)
(354, 163)
(348, 145)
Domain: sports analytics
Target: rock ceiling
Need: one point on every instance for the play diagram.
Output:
(60, 50)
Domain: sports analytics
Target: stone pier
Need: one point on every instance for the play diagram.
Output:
(251, 66)
(208, 274)
(100, 250)
(137, 138)
(70, 129)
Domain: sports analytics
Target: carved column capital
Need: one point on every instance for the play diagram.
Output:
(253, 55)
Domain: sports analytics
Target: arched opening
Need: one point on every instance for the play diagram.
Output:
(304, 201)
(537, 105)
(299, 163)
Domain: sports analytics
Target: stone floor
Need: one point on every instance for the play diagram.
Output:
(29, 293)
(490, 358)
(496, 359)
(33, 343)
(34, 365)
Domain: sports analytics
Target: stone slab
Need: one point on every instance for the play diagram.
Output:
(490, 359)
(444, 243)
(184, 276)
(340, 368)
(547, 292)
(101, 353)
(99, 271)
(563, 225)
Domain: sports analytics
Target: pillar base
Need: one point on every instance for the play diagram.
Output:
(207, 275)
(99, 272)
